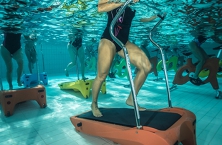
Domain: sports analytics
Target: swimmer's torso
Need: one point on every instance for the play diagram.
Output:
(12, 42)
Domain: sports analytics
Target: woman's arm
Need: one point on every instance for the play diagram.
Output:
(105, 6)
(148, 19)
(35, 40)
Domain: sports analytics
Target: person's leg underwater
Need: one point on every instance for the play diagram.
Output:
(28, 55)
(18, 56)
(112, 72)
(81, 55)
(139, 59)
(33, 57)
(201, 56)
(106, 53)
(8, 62)
(73, 55)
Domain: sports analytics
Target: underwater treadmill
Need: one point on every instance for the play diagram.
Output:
(168, 126)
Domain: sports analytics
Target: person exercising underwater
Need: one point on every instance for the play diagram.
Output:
(108, 48)
(75, 50)
(11, 49)
(30, 50)
(200, 55)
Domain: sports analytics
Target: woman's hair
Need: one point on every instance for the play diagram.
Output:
(201, 39)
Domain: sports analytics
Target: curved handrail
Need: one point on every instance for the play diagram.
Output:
(163, 58)
(136, 110)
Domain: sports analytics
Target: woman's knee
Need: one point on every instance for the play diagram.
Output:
(19, 60)
(101, 76)
(9, 69)
(147, 67)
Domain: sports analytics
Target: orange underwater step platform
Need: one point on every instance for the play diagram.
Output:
(168, 126)
(9, 98)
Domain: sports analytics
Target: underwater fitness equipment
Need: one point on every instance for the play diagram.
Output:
(9, 98)
(28, 79)
(82, 86)
(167, 126)
(172, 63)
(211, 64)
(205, 72)
(220, 63)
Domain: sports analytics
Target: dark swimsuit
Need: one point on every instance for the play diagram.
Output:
(12, 42)
(121, 28)
(77, 43)
(199, 41)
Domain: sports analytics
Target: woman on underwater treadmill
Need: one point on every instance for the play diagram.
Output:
(108, 48)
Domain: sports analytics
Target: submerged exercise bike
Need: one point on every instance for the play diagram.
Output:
(168, 126)
(211, 66)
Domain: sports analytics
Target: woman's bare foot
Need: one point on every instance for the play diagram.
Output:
(10, 87)
(19, 83)
(84, 78)
(129, 102)
(95, 110)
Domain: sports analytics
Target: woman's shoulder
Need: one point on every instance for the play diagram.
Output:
(69, 44)
(30, 42)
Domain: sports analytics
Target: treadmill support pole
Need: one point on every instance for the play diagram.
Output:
(136, 110)
(163, 59)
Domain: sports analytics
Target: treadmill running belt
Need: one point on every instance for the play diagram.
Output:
(126, 117)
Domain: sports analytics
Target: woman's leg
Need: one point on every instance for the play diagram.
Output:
(139, 59)
(112, 71)
(33, 57)
(18, 56)
(73, 55)
(28, 55)
(106, 53)
(8, 62)
(81, 55)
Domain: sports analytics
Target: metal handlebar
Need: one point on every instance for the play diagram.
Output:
(136, 110)
(163, 58)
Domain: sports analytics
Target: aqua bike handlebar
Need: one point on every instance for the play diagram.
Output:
(136, 110)
(161, 17)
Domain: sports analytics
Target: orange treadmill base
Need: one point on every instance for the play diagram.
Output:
(168, 126)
